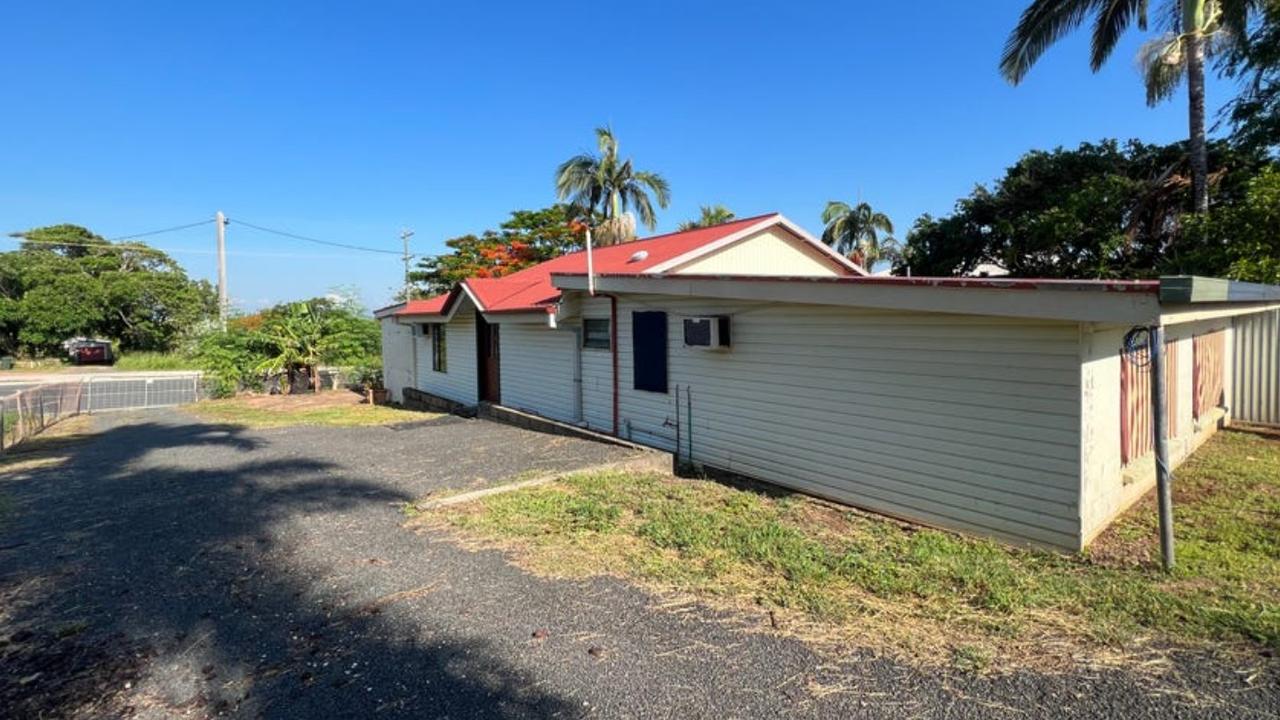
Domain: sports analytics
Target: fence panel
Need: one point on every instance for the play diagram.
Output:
(1256, 380)
(25, 413)
(105, 393)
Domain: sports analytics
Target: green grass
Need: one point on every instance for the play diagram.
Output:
(236, 411)
(842, 567)
(155, 361)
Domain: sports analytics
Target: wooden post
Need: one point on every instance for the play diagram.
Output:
(221, 222)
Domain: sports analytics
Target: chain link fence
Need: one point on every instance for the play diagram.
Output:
(27, 412)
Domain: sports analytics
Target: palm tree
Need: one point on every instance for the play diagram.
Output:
(854, 231)
(606, 186)
(1193, 28)
(710, 215)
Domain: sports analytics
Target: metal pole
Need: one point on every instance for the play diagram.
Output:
(221, 222)
(1160, 426)
(688, 418)
(404, 236)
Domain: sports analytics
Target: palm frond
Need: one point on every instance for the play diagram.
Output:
(1114, 17)
(1042, 24)
(657, 184)
(1161, 61)
(640, 201)
(834, 209)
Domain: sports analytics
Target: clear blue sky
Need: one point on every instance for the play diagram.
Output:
(348, 121)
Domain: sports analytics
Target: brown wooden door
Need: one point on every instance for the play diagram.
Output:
(488, 355)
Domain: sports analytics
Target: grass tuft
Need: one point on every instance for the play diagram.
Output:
(156, 361)
(837, 566)
(332, 409)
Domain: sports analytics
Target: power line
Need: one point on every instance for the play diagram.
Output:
(190, 251)
(295, 236)
(162, 230)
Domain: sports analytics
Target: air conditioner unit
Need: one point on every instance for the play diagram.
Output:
(707, 333)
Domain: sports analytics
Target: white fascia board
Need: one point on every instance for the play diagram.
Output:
(535, 317)
(1044, 304)
(1179, 314)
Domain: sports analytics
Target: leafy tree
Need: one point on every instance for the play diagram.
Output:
(1255, 113)
(854, 231)
(709, 215)
(528, 237)
(1245, 238)
(299, 336)
(1098, 211)
(607, 186)
(65, 281)
(1192, 29)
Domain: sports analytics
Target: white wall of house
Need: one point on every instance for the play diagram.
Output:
(597, 374)
(397, 357)
(965, 422)
(1108, 487)
(770, 252)
(536, 364)
(458, 381)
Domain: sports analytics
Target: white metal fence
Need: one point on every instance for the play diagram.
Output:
(130, 392)
(1257, 368)
(26, 412)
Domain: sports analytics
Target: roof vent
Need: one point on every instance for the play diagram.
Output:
(638, 255)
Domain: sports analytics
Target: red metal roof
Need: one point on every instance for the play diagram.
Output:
(428, 306)
(531, 289)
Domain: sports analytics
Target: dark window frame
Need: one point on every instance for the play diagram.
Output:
(650, 351)
(597, 339)
(439, 349)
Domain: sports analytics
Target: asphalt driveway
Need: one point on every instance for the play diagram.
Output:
(169, 568)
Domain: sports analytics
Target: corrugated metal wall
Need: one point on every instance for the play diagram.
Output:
(1256, 389)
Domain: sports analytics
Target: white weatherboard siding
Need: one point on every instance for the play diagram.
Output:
(597, 374)
(458, 382)
(965, 422)
(397, 357)
(536, 363)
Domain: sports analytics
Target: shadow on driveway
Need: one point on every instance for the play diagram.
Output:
(150, 574)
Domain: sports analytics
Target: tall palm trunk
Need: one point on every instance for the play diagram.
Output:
(1195, 94)
(1193, 18)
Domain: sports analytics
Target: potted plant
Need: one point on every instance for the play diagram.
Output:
(369, 379)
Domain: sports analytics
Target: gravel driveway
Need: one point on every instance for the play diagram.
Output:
(170, 568)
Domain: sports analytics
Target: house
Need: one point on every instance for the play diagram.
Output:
(1001, 407)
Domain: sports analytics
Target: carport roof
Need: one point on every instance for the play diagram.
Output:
(1120, 301)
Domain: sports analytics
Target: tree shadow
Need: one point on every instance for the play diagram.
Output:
(137, 579)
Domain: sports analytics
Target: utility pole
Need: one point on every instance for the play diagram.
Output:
(404, 237)
(221, 222)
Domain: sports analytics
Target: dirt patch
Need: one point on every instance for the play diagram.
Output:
(310, 401)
